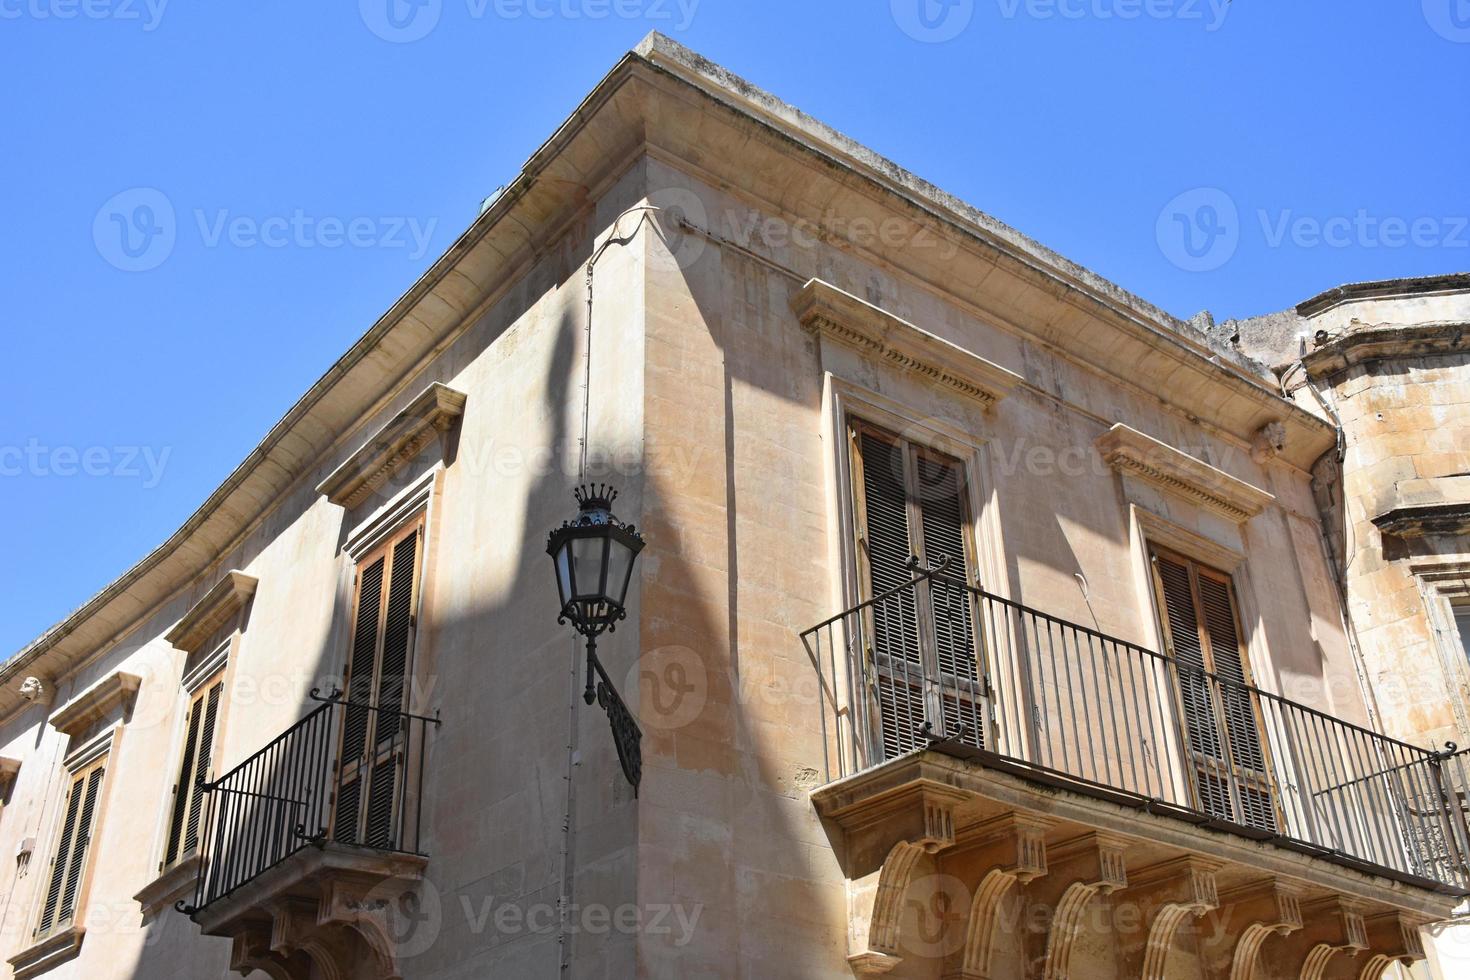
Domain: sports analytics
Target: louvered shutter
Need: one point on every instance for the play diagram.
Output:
(379, 668)
(76, 866)
(183, 789)
(1198, 612)
(1238, 703)
(942, 518)
(357, 716)
(389, 728)
(59, 860)
(202, 758)
(898, 667)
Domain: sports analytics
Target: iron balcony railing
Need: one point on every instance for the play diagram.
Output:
(940, 663)
(348, 772)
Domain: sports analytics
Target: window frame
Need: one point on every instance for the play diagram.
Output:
(185, 790)
(98, 754)
(1195, 761)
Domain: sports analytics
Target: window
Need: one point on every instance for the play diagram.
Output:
(379, 667)
(912, 505)
(1202, 635)
(69, 861)
(199, 728)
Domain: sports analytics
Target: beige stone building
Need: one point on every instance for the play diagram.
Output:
(987, 623)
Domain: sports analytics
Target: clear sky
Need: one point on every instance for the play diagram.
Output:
(206, 203)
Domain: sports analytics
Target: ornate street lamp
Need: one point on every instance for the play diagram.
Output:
(593, 555)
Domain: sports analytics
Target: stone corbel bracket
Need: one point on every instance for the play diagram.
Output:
(119, 689)
(1167, 895)
(1333, 926)
(832, 313)
(1079, 870)
(429, 415)
(1000, 853)
(1270, 907)
(228, 596)
(1393, 937)
(1141, 456)
(876, 911)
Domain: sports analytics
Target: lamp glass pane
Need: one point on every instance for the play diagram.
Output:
(587, 558)
(620, 564)
(563, 573)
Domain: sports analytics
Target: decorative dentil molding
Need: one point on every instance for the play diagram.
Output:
(212, 611)
(1138, 455)
(429, 415)
(830, 312)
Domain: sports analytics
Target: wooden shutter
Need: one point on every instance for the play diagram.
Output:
(378, 686)
(194, 768)
(1221, 720)
(911, 505)
(69, 863)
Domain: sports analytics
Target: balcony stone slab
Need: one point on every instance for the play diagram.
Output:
(973, 848)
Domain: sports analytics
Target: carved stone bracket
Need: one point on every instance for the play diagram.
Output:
(999, 853)
(1333, 926)
(1079, 870)
(876, 909)
(1392, 938)
(1167, 895)
(1269, 907)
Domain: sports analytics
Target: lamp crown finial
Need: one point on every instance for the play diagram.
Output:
(595, 496)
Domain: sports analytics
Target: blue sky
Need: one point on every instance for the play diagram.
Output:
(315, 158)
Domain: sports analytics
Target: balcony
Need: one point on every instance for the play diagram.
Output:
(306, 844)
(1009, 749)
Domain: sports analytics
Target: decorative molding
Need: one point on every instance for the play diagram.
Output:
(1439, 506)
(1134, 454)
(9, 769)
(49, 953)
(877, 951)
(1271, 908)
(95, 703)
(173, 884)
(1082, 869)
(1169, 893)
(1447, 575)
(1384, 342)
(211, 612)
(830, 312)
(429, 415)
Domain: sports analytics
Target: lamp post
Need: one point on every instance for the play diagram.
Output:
(593, 555)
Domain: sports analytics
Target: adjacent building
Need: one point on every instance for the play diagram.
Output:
(991, 622)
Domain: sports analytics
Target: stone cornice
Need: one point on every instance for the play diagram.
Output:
(1384, 289)
(1438, 506)
(1146, 458)
(116, 690)
(427, 416)
(830, 312)
(221, 602)
(1385, 341)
